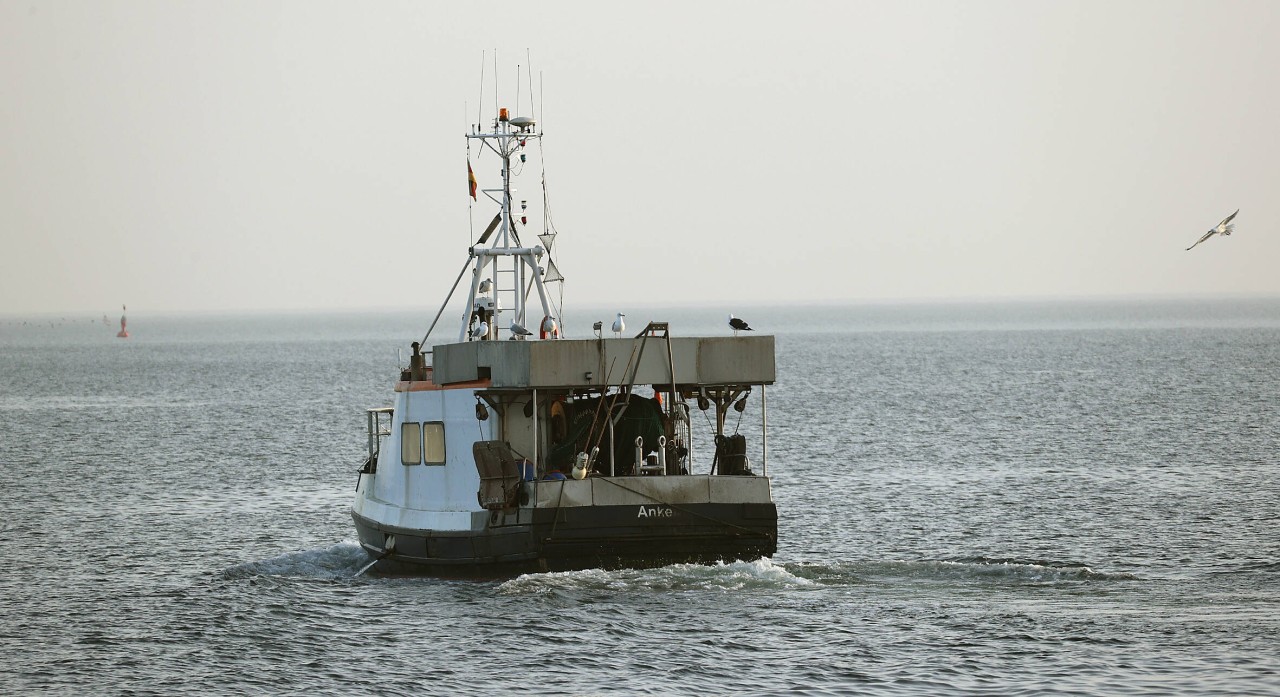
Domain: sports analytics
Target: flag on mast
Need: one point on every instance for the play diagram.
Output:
(471, 180)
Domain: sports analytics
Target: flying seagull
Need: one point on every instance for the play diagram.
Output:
(1224, 228)
(738, 325)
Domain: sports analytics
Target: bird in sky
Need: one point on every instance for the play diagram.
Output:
(738, 325)
(619, 326)
(1224, 228)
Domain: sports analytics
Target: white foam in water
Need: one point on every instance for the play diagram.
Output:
(761, 573)
(341, 560)
(738, 575)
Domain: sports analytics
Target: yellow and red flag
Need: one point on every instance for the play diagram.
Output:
(471, 181)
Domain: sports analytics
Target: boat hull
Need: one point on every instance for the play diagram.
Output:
(584, 537)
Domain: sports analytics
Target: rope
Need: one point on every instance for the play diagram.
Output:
(596, 417)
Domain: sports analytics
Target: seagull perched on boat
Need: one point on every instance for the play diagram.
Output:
(518, 329)
(1224, 228)
(738, 325)
(480, 330)
(619, 326)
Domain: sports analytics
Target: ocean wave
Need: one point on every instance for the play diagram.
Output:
(761, 574)
(64, 403)
(337, 561)
(1250, 567)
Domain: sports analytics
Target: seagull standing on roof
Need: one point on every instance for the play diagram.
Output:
(738, 325)
(518, 329)
(1224, 228)
(619, 326)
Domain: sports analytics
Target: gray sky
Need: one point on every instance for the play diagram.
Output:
(263, 155)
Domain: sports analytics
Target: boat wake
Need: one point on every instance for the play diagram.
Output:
(339, 561)
(762, 574)
(978, 569)
(342, 561)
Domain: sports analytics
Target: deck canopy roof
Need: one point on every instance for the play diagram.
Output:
(597, 363)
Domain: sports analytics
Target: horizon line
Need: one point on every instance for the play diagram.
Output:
(841, 302)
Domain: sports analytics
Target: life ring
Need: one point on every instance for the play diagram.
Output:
(548, 328)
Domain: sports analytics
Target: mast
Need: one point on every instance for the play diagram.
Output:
(485, 317)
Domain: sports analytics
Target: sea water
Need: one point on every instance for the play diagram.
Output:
(1018, 498)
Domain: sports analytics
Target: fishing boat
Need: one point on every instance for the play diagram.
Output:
(510, 450)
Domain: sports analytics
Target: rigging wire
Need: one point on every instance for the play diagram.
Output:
(449, 297)
(710, 426)
(549, 227)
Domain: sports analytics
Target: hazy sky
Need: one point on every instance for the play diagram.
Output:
(263, 155)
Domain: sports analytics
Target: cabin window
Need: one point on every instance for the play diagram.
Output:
(433, 438)
(411, 443)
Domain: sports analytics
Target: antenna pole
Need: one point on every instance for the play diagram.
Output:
(529, 68)
(480, 107)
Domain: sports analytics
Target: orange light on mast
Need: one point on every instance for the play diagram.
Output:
(502, 114)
